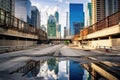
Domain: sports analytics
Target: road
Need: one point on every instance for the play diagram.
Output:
(13, 60)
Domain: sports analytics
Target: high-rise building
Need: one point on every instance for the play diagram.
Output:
(43, 28)
(78, 26)
(111, 6)
(23, 10)
(88, 15)
(67, 27)
(59, 31)
(65, 32)
(98, 10)
(104, 8)
(35, 17)
(51, 27)
(76, 15)
(57, 16)
(58, 26)
(8, 5)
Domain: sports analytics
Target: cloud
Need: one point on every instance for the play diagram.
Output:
(67, 2)
(60, 0)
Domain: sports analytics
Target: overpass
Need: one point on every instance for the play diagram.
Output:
(59, 39)
(14, 31)
(103, 33)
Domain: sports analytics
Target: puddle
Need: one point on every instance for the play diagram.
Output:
(63, 69)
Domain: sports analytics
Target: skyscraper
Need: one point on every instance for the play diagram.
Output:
(78, 26)
(67, 27)
(58, 26)
(51, 27)
(35, 17)
(104, 8)
(65, 32)
(57, 16)
(88, 15)
(76, 15)
(23, 10)
(112, 6)
(8, 5)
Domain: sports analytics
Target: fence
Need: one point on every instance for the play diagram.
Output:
(8, 21)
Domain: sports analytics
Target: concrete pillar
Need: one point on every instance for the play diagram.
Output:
(17, 41)
(92, 43)
(26, 42)
(110, 39)
(98, 44)
(4, 42)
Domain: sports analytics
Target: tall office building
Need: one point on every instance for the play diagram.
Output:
(98, 10)
(57, 16)
(104, 8)
(78, 26)
(65, 32)
(35, 17)
(58, 26)
(8, 5)
(67, 27)
(112, 6)
(88, 15)
(43, 28)
(23, 10)
(51, 27)
(76, 15)
(59, 31)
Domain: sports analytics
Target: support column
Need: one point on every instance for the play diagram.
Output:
(110, 39)
(3, 42)
(17, 41)
(98, 42)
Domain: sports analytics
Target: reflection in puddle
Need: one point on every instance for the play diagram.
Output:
(61, 69)
(54, 69)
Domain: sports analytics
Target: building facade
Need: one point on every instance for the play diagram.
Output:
(43, 28)
(35, 17)
(88, 15)
(8, 5)
(51, 27)
(58, 26)
(77, 27)
(57, 16)
(112, 6)
(76, 15)
(65, 32)
(23, 10)
(104, 8)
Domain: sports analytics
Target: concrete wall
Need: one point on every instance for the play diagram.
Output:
(100, 42)
(16, 42)
(95, 43)
(116, 42)
(17, 33)
(104, 32)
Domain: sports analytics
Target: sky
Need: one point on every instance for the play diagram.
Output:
(48, 7)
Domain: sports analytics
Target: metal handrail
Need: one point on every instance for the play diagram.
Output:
(8, 21)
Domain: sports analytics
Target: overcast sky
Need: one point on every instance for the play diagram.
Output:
(47, 7)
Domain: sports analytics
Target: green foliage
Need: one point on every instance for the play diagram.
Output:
(67, 42)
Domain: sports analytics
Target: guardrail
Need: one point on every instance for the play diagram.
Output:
(115, 49)
(15, 48)
(8, 21)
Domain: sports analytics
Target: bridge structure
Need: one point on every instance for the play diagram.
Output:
(105, 33)
(59, 40)
(14, 31)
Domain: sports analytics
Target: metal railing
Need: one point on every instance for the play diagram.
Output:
(15, 48)
(109, 21)
(8, 21)
(113, 49)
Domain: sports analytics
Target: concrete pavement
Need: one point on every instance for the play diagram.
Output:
(13, 60)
